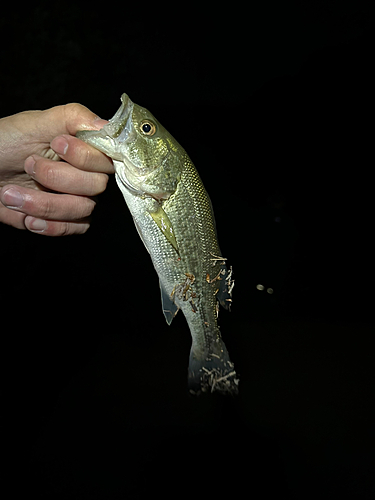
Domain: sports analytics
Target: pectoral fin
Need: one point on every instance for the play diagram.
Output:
(165, 225)
(169, 307)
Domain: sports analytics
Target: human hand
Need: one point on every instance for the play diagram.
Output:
(39, 192)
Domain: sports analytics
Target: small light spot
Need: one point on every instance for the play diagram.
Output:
(270, 291)
(260, 287)
(277, 219)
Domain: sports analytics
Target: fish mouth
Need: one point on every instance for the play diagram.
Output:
(115, 133)
(120, 126)
(112, 138)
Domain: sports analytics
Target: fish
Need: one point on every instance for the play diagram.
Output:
(174, 218)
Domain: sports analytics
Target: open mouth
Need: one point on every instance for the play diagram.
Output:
(109, 139)
(119, 126)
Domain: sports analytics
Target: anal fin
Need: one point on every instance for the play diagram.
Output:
(169, 307)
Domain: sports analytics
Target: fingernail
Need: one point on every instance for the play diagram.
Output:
(60, 145)
(29, 165)
(99, 122)
(12, 198)
(37, 225)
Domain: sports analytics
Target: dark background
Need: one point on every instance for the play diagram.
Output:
(273, 102)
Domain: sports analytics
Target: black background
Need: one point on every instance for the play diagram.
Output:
(273, 102)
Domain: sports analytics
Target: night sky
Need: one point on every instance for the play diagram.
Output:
(273, 103)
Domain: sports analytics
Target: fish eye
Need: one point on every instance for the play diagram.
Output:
(148, 127)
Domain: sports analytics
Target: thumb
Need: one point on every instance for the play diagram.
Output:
(70, 118)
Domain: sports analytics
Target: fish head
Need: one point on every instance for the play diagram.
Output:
(148, 161)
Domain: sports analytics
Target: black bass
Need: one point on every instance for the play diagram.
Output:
(174, 217)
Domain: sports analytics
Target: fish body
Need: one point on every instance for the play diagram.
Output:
(174, 218)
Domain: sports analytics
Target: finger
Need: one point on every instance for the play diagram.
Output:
(81, 155)
(55, 228)
(68, 119)
(62, 177)
(12, 218)
(43, 205)
(78, 117)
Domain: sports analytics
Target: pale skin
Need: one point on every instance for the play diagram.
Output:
(48, 177)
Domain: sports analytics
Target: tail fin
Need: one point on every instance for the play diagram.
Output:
(211, 372)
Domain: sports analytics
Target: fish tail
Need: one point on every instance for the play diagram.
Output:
(212, 371)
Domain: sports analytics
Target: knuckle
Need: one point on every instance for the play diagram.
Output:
(80, 156)
(104, 181)
(84, 207)
(88, 158)
(62, 229)
(74, 109)
(50, 176)
(85, 158)
(98, 183)
(84, 228)
(46, 174)
(67, 228)
(58, 229)
(46, 208)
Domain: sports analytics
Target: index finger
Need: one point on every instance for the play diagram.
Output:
(81, 155)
